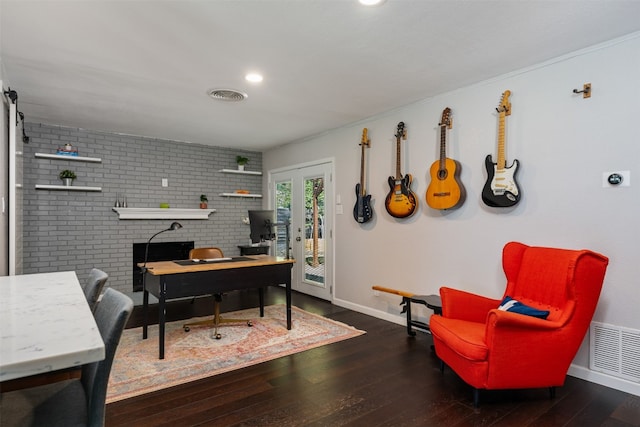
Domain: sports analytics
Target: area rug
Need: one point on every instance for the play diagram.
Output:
(193, 355)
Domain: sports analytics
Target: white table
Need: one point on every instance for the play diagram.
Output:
(45, 325)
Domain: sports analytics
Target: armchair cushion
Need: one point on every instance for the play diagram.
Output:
(515, 306)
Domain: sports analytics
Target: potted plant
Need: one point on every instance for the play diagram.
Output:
(67, 177)
(203, 201)
(241, 161)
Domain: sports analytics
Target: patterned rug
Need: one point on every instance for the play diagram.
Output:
(193, 355)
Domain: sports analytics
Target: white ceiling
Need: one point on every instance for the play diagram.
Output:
(144, 67)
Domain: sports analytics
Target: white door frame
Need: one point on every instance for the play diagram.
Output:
(328, 292)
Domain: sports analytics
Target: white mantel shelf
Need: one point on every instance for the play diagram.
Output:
(162, 213)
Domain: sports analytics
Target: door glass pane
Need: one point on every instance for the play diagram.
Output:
(314, 230)
(283, 212)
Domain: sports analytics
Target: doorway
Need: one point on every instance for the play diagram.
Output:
(302, 195)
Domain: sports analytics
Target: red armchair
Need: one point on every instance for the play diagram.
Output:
(494, 349)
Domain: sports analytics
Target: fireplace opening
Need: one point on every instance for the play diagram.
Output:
(161, 251)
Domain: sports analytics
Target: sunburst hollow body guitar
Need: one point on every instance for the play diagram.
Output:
(401, 202)
(501, 189)
(445, 190)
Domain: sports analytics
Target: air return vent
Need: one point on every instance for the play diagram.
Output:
(615, 351)
(227, 95)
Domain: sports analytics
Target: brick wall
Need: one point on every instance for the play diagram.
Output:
(74, 230)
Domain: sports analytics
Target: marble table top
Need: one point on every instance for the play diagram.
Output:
(45, 325)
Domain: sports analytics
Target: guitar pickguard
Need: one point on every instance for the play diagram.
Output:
(501, 189)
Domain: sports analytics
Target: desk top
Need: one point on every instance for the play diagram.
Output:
(45, 325)
(169, 267)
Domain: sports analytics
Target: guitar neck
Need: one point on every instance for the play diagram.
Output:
(362, 190)
(501, 161)
(398, 174)
(443, 138)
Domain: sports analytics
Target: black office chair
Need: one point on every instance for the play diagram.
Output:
(75, 402)
(93, 288)
(217, 320)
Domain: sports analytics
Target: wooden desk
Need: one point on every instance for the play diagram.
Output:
(168, 279)
(45, 325)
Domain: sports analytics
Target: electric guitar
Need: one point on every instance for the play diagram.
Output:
(401, 202)
(362, 210)
(501, 189)
(445, 190)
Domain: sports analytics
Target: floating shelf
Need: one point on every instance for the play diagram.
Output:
(250, 196)
(236, 171)
(72, 158)
(67, 188)
(162, 213)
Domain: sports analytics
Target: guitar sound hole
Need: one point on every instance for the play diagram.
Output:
(442, 174)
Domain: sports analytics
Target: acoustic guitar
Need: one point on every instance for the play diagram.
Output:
(445, 191)
(362, 211)
(401, 202)
(501, 189)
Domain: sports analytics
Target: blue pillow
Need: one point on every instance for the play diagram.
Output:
(514, 306)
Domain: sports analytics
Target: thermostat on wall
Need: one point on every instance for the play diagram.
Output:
(616, 179)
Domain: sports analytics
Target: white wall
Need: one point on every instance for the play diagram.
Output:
(564, 144)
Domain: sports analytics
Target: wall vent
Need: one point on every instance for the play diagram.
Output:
(615, 350)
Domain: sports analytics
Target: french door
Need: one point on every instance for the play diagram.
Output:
(302, 195)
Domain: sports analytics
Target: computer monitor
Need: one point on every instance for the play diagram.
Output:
(261, 224)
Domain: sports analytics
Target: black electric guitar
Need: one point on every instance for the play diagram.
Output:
(401, 202)
(445, 190)
(362, 211)
(501, 189)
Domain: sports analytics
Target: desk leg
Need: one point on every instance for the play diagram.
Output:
(288, 292)
(261, 297)
(145, 313)
(161, 320)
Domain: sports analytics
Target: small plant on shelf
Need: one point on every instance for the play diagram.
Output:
(67, 176)
(203, 201)
(241, 161)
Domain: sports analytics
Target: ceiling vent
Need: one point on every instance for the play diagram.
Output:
(227, 95)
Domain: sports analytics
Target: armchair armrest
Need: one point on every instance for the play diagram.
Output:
(457, 304)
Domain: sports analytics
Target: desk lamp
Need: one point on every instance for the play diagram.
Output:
(173, 226)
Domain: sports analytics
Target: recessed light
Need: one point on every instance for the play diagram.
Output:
(253, 77)
(371, 2)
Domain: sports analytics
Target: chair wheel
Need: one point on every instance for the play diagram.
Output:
(218, 336)
(186, 328)
(249, 323)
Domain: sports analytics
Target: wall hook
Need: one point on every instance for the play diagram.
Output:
(586, 90)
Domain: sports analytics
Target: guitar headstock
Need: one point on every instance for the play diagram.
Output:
(446, 119)
(402, 132)
(365, 142)
(505, 105)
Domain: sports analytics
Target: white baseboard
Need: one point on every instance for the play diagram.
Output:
(604, 379)
(399, 319)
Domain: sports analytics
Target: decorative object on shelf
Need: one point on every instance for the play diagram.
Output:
(164, 205)
(242, 191)
(241, 161)
(67, 176)
(67, 150)
(117, 203)
(203, 201)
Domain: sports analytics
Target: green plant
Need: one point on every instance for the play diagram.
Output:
(242, 160)
(67, 174)
(203, 198)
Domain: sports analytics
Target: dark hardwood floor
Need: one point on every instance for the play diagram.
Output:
(383, 378)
